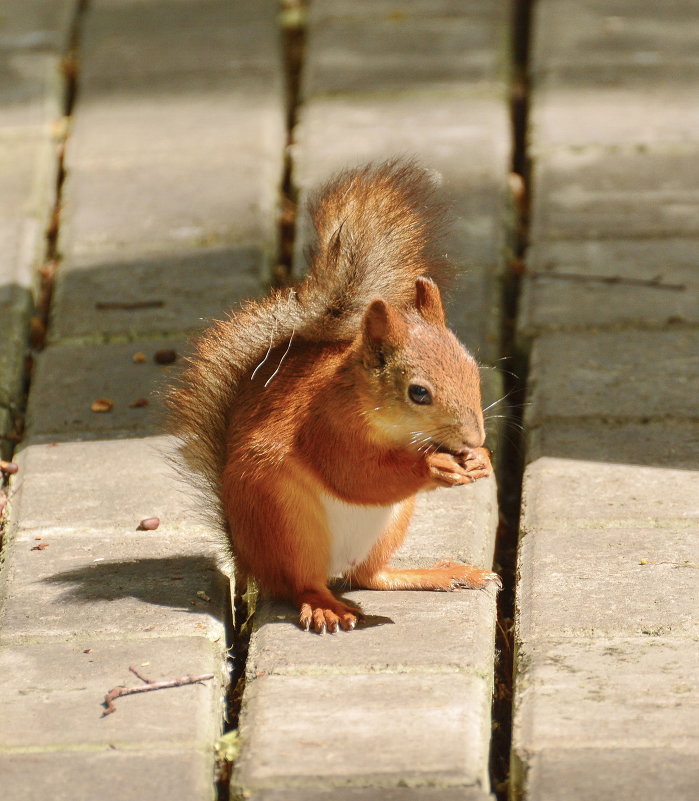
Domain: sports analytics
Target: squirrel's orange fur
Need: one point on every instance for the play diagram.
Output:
(301, 411)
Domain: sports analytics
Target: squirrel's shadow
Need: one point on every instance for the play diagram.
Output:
(181, 582)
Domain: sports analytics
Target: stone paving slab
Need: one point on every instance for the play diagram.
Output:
(94, 301)
(620, 773)
(36, 25)
(158, 775)
(69, 378)
(571, 284)
(594, 686)
(405, 632)
(628, 582)
(608, 193)
(612, 32)
(118, 586)
(408, 9)
(411, 729)
(31, 92)
(363, 55)
(576, 106)
(180, 102)
(624, 376)
(375, 794)
(101, 486)
(52, 695)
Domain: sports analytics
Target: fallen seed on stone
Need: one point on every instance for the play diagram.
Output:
(8, 467)
(165, 356)
(139, 358)
(138, 403)
(148, 524)
(102, 405)
(40, 547)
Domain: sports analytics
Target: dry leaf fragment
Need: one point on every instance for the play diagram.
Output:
(138, 403)
(165, 356)
(201, 594)
(40, 547)
(87, 651)
(102, 405)
(148, 524)
(139, 358)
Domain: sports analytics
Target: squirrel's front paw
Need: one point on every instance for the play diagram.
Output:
(445, 471)
(476, 463)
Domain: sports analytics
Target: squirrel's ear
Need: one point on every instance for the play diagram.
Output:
(428, 301)
(382, 326)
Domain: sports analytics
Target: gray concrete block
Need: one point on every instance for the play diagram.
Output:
(611, 489)
(402, 53)
(461, 10)
(94, 299)
(615, 193)
(584, 581)
(625, 376)
(413, 730)
(36, 25)
(83, 775)
(28, 166)
(52, 696)
(375, 794)
(452, 523)
(69, 378)
(15, 308)
(612, 693)
(178, 138)
(31, 92)
(101, 486)
(622, 33)
(404, 632)
(591, 284)
(577, 106)
(150, 45)
(125, 585)
(603, 774)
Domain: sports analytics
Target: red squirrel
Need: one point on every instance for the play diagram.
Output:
(315, 415)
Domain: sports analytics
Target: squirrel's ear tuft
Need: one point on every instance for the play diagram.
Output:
(382, 326)
(428, 301)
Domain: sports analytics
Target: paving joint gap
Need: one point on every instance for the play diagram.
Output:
(511, 461)
(292, 31)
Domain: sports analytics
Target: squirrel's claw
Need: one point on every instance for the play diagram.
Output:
(323, 621)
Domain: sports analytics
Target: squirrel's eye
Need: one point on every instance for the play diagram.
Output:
(419, 394)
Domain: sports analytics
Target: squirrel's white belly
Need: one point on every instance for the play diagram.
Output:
(353, 530)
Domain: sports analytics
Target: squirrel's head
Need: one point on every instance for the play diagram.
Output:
(423, 387)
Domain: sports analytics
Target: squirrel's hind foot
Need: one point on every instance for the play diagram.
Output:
(322, 613)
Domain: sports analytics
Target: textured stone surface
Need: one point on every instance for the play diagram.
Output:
(608, 283)
(52, 695)
(178, 138)
(169, 774)
(454, 631)
(129, 584)
(397, 53)
(374, 794)
(628, 375)
(576, 106)
(590, 581)
(608, 193)
(69, 378)
(100, 486)
(31, 92)
(409, 729)
(628, 693)
(36, 25)
(613, 32)
(92, 300)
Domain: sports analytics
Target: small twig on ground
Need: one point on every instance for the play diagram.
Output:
(117, 692)
(675, 564)
(140, 675)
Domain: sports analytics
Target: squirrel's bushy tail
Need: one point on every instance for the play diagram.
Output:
(375, 235)
(376, 231)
